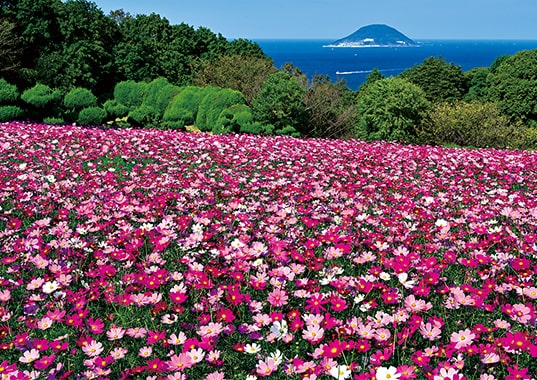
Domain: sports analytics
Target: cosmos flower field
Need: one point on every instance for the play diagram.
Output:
(153, 254)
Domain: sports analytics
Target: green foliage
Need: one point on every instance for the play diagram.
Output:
(115, 109)
(183, 109)
(79, 98)
(91, 116)
(41, 97)
(513, 84)
(53, 120)
(281, 103)
(243, 73)
(391, 109)
(440, 80)
(237, 119)
(213, 104)
(9, 113)
(477, 79)
(144, 115)
(473, 124)
(332, 108)
(371, 78)
(8, 92)
(130, 93)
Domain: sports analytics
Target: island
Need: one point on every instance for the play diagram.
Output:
(375, 35)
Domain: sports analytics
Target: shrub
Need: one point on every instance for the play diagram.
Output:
(183, 108)
(144, 115)
(8, 92)
(159, 93)
(9, 113)
(233, 119)
(91, 116)
(79, 98)
(53, 120)
(213, 104)
(41, 96)
(115, 109)
(130, 93)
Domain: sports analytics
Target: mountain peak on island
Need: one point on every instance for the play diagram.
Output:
(375, 35)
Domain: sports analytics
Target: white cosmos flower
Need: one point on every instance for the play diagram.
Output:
(50, 286)
(252, 348)
(340, 372)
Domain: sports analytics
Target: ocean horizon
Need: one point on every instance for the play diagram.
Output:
(354, 64)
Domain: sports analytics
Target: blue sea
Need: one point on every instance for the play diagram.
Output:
(354, 64)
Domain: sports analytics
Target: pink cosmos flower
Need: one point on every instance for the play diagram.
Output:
(463, 338)
(115, 333)
(265, 368)
(215, 376)
(180, 362)
(430, 331)
(278, 297)
(93, 348)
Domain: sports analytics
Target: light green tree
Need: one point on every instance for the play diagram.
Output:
(391, 109)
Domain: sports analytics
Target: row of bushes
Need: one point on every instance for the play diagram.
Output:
(157, 103)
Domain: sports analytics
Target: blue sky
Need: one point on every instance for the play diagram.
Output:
(332, 19)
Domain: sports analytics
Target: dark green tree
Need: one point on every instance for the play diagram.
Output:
(477, 79)
(391, 109)
(150, 47)
(440, 80)
(513, 84)
(281, 103)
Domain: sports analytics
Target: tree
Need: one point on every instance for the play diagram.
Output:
(477, 79)
(243, 73)
(473, 124)
(10, 50)
(440, 80)
(513, 84)
(391, 109)
(150, 47)
(331, 106)
(371, 78)
(281, 104)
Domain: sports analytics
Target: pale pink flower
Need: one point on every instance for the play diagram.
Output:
(313, 333)
(93, 348)
(145, 351)
(196, 355)
(177, 340)
(179, 362)
(210, 330)
(430, 331)
(5, 295)
(115, 333)
(44, 323)
(462, 338)
(215, 376)
(29, 356)
(118, 353)
(265, 368)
